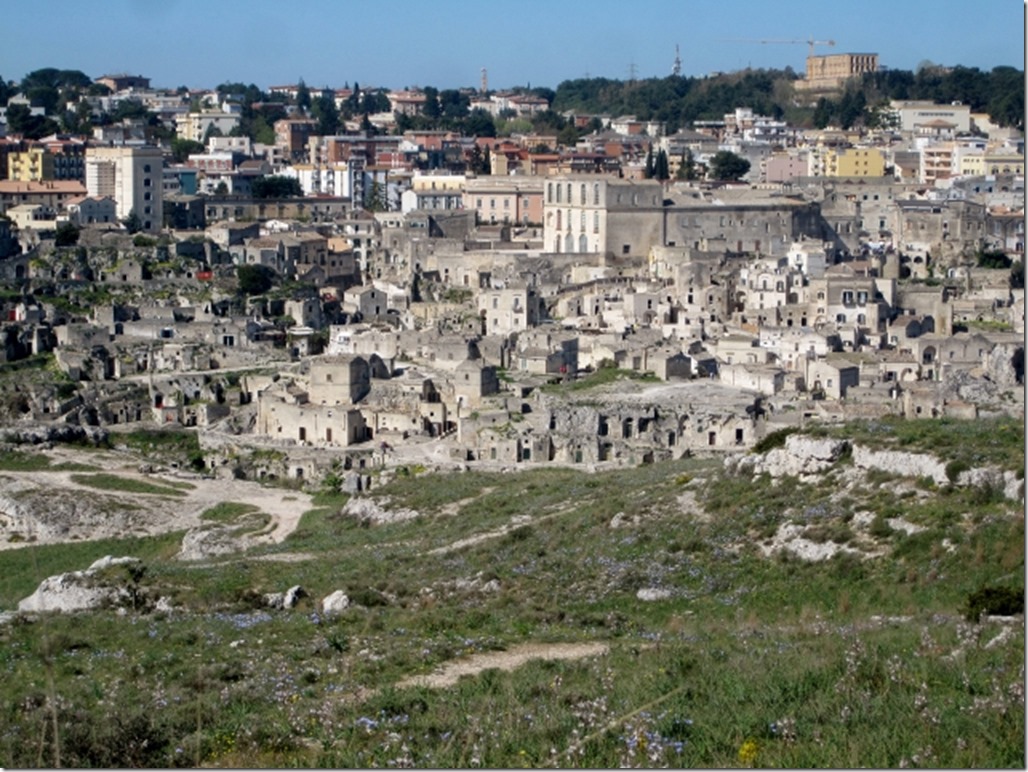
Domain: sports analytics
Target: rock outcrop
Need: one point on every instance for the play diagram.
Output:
(901, 463)
(368, 511)
(81, 590)
(285, 600)
(801, 457)
(335, 603)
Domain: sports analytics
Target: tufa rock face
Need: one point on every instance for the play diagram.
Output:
(39, 434)
(901, 463)
(801, 457)
(80, 590)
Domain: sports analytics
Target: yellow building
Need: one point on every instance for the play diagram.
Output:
(855, 162)
(1004, 162)
(33, 165)
(972, 164)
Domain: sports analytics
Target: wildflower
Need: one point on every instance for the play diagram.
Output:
(748, 752)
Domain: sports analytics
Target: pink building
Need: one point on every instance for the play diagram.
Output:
(784, 167)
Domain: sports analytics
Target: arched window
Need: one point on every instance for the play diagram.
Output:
(582, 194)
(596, 193)
(583, 243)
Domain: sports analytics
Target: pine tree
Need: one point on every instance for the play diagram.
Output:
(661, 170)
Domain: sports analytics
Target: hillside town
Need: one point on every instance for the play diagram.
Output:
(356, 290)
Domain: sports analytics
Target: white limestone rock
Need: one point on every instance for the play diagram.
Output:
(369, 511)
(649, 594)
(285, 600)
(79, 590)
(801, 457)
(901, 463)
(335, 603)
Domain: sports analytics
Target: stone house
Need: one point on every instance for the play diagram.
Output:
(508, 310)
(472, 381)
(271, 253)
(792, 347)
(668, 363)
(740, 348)
(766, 379)
(338, 380)
(369, 302)
(307, 424)
(831, 377)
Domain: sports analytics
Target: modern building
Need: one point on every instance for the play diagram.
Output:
(915, 116)
(33, 165)
(855, 162)
(194, 126)
(133, 177)
(505, 198)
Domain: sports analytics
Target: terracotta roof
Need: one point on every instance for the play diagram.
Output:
(71, 187)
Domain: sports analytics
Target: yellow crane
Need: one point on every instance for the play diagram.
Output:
(809, 41)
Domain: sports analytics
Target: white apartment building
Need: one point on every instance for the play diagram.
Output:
(132, 176)
(915, 115)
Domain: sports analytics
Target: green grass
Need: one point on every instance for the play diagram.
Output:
(19, 461)
(227, 512)
(599, 377)
(112, 482)
(849, 662)
(998, 441)
(23, 568)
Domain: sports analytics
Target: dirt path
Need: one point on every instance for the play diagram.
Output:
(51, 507)
(449, 673)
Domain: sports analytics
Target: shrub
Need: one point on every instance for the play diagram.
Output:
(775, 439)
(954, 469)
(990, 599)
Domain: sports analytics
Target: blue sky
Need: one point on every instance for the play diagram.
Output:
(445, 43)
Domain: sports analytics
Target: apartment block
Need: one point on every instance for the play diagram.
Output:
(132, 176)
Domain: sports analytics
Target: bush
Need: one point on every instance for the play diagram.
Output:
(775, 439)
(990, 599)
(954, 469)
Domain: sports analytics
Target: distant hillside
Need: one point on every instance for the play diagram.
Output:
(681, 100)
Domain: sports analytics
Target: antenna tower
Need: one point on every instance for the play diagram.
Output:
(676, 68)
(485, 81)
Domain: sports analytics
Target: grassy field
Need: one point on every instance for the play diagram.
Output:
(743, 656)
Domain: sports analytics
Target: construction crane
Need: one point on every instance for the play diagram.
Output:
(809, 41)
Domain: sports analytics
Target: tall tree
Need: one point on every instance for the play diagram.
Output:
(661, 170)
(276, 186)
(324, 111)
(303, 96)
(726, 165)
(687, 166)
